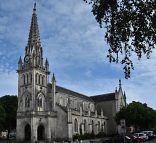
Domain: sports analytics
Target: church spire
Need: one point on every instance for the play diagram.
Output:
(33, 50)
(34, 37)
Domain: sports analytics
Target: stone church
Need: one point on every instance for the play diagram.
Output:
(49, 112)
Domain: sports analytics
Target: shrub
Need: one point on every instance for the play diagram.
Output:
(100, 134)
(88, 136)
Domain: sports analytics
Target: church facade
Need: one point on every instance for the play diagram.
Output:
(49, 112)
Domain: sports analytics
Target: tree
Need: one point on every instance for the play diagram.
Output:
(2, 118)
(138, 115)
(9, 104)
(130, 28)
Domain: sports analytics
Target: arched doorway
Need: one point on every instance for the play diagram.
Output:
(40, 132)
(27, 132)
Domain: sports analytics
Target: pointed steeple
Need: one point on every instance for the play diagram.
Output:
(34, 36)
(20, 63)
(46, 62)
(47, 65)
(53, 92)
(20, 60)
(124, 95)
(120, 84)
(53, 78)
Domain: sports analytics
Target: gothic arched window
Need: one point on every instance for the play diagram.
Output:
(98, 126)
(75, 125)
(40, 102)
(39, 79)
(30, 78)
(103, 127)
(85, 125)
(42, 80)
(92, 107)
(81, 128)
(27, 78)
(92, 126)
(36, 78)
(27, 102)
(24, 79)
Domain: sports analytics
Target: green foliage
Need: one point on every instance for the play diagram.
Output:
(77, 136)
(100, 135)
(88, 136)
(9, 106)
(139, 115)
(2, 117)
(130, 28)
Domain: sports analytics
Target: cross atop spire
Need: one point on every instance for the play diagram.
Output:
(34, 5)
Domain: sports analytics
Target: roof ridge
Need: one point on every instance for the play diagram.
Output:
(103, 97)
(105, 94)
(82, 95)
(71, 90)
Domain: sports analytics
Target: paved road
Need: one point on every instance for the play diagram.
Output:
(11, 141)
(152, 141)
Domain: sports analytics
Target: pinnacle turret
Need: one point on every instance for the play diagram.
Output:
(20, 63)
(20, 60)
(120, 84)
(46, 62)
(124, 95)
(47, 65)
(53, 78)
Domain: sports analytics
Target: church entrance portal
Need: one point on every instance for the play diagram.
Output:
(27, 132)
(40, 132)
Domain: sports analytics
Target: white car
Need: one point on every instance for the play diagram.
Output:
(142, 135)
(148, 133)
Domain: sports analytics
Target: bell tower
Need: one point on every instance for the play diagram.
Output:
(32, 72)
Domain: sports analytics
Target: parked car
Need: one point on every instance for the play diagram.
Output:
(137, 139)
(12, 136)
(142, 135)
(149, 134)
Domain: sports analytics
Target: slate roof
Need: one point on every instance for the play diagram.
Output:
(62, 107)
(103, 97)
(69, 92)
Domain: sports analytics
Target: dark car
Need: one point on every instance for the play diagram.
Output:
(139, 139)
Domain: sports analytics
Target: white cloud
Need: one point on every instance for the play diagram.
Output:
(75, 47)
(8, 82)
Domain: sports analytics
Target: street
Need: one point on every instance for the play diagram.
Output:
(12, 141)
(152, 141)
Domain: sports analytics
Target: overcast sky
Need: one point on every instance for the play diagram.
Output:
(75, 47)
